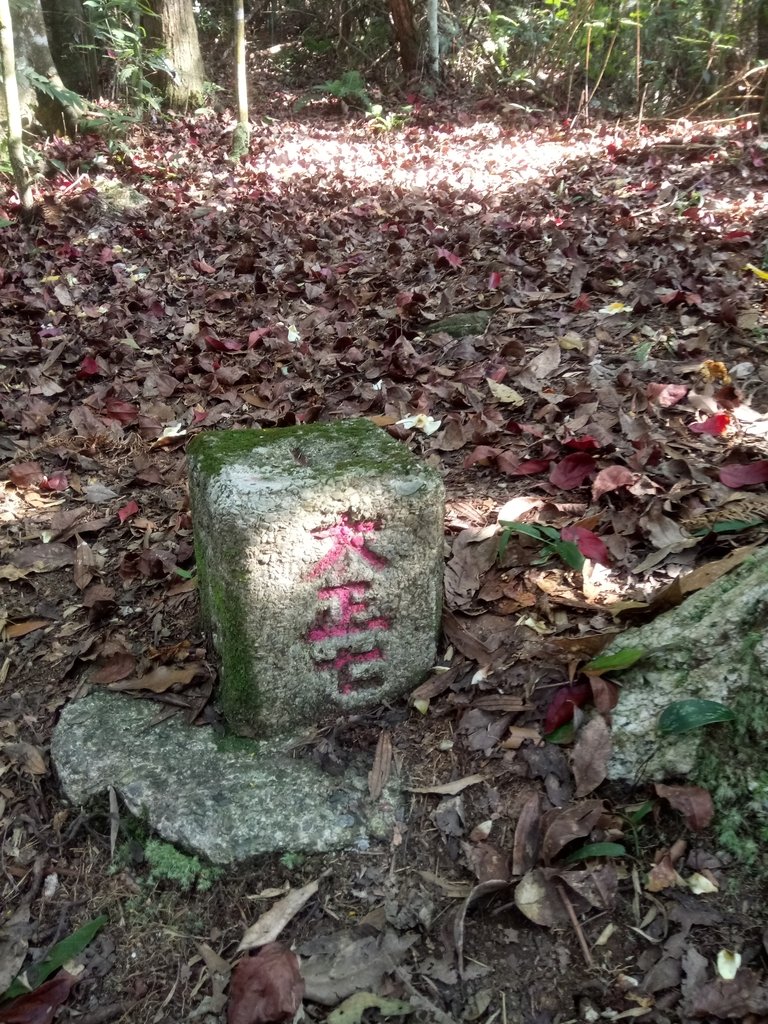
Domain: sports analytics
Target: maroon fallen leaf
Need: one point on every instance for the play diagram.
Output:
(265, 988)
(693, 802)
(127, 511)
(222, 344)
(528, 467)
(89, 368)
(588, 543)
(494, 280)
(117, 409)
(714, 425)
(572, 471)
(743, 474)
(610, 479)
(482, 455)
(563, 702)
(25, 474)
(39, 1007)
(583, 444)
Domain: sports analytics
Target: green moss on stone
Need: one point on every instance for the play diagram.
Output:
(733, 766)
(361, 445)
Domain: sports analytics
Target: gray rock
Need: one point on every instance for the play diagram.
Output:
(713, 647)
(320, 562)
(227, 799)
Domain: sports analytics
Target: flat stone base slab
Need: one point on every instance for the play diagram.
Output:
(225, 804)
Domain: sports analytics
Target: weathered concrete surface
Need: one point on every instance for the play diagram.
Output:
(225, 804)
(320, 562)
(714, 646)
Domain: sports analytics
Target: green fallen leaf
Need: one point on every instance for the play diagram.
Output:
(352, 1009)
(685, 715)
(614, 662)
(59, 955)
(563, 735)
(731, 526)
(636, 816)
(596, 850)
(570, 554)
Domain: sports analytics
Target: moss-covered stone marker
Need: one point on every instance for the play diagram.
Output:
(320, 560)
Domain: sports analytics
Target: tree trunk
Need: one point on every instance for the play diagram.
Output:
(171, 27)
(72, 45)
(433, 38)
(406, 34)
(762, 54)
(33, 57)
(13, 110)
(242, 136)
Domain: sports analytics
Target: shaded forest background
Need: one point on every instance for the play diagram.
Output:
(111, 60)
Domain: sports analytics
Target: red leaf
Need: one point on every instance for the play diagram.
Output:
(715, 425)
(588, 543)
(25, 474)
(572, 471)
(583, 444)
(529, 467)
(582, 304)
(693, 802)
(265, 988)
(450, 257)
(127, 511)
(55, 482)
(494, 279)
(221, 345)
(743, 474)
(560, 710)
(89, 368)
(123, 412)
(255, 336)
(39, 1007)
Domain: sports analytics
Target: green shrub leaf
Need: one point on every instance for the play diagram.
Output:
(685, 715)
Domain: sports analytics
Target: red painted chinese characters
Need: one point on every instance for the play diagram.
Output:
(344, 613)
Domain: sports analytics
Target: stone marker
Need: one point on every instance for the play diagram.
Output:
(320, 565)
(320, 560)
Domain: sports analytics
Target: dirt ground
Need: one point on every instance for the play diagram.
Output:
(118, 331)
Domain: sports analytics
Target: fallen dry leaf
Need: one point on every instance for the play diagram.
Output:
(272, 922)
(266, 988)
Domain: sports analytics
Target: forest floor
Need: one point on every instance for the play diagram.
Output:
(611, 377)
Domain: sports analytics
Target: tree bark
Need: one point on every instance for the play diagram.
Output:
(433, 38)
(33, 56)
(171, 27)
(407, 35)
(13, 110)
(70, 37)
(242, 136)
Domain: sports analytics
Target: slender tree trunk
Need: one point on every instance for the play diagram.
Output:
(13, 110)
(433, 38)
(72, 45)
(406, 34)
(762, 54)
(242, 136)
(171, 27)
